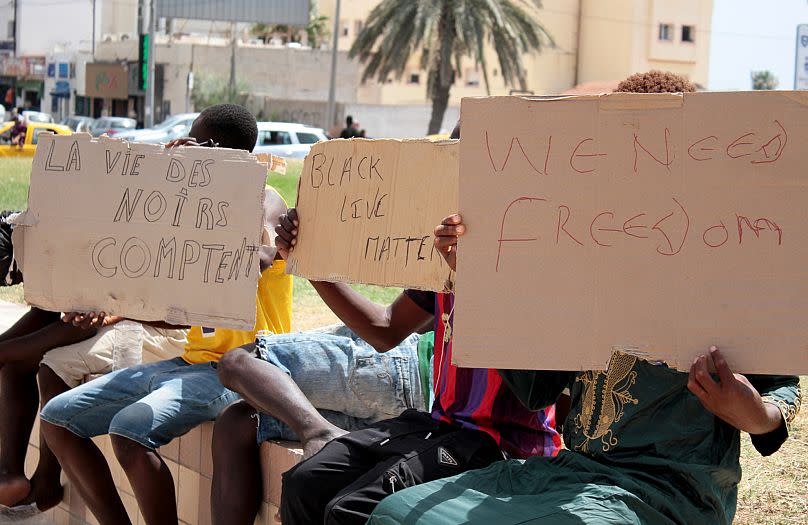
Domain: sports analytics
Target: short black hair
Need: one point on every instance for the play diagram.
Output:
(229, 126)
(349, 120)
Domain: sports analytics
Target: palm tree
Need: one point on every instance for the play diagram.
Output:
(443, 32)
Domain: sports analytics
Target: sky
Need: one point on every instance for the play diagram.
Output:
(752, 35)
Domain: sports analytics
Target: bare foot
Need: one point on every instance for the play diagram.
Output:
(315, 443)
(45, 495)
(13, 489)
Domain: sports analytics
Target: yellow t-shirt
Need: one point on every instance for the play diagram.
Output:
(273, 313)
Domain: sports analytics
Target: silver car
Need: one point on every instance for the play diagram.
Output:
(286, 139)
(170, 129)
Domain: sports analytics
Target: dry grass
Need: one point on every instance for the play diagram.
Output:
(774, 490)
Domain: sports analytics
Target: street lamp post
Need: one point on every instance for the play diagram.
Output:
(332, 86)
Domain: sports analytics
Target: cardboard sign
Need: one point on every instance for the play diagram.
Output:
(653, 224)
(368, 210)
(144, 232)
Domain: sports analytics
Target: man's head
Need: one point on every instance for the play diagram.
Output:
(348, 121)
(655, 81)
(227, 125)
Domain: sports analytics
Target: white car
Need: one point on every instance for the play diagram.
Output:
(285, 139)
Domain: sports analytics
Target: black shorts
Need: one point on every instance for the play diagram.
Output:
(345, 481)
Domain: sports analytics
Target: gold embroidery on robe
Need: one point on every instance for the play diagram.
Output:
(604, 397)
(789, 410)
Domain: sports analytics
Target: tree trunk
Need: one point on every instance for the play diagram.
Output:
(440, 101)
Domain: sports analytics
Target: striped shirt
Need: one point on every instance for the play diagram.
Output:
(476, 398)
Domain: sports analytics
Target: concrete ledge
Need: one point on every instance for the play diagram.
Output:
(191, 463)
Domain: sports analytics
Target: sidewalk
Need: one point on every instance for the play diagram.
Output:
(9, 313)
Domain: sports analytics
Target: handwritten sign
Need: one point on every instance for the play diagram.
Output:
(144, 232)
(368, 210)
(653, 224)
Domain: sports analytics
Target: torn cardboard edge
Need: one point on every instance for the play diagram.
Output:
(291, 268)
(274, 163)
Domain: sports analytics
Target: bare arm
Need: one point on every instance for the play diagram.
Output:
(382, 327)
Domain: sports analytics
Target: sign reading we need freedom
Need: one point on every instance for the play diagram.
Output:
(653, 224)
(143, 232)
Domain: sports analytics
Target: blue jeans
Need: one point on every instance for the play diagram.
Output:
(150, 404)
(347, 380)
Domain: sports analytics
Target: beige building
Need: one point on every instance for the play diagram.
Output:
(600, 41)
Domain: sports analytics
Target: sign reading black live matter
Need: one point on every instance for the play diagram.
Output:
(368, 210)
(656, 225)
(144, 232)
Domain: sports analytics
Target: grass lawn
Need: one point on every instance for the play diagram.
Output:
(774, 490)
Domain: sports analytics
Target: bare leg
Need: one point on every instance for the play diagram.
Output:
(88, 470)
(46, 487)
(36, 332)
(271, 391)
(19, 400)
(237, 481)
(150, 478)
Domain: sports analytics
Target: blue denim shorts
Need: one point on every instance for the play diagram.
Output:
(150, 404)
(346, 379)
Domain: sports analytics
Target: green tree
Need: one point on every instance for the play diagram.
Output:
(443, 32)
(211, 89)
(763, 80)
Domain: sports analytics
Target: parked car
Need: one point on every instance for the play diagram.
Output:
(112, 125)
(37, 116)
(78, 124)
(7, 149)
(286, 139)
(170, 129)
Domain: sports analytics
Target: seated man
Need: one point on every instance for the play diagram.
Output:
(144, 407)
(371, 368)
(646, 444)
(475, 420)
(70, 353)
(351, 382)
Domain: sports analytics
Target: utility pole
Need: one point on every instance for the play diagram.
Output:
(150, 24)
(332, 86)
(93, 30)
(232, 61)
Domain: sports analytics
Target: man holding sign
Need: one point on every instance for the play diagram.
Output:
(145, 407)
(645, 443)
(473, 420)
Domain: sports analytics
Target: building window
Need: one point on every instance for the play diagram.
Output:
(666, 32)
(414, 78)
(11, 27)
(344, 25)
(688, 34)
